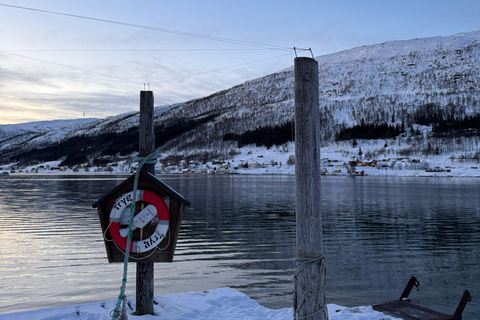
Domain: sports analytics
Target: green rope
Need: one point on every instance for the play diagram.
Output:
(150, 159)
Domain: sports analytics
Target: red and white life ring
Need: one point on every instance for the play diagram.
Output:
(156, 208)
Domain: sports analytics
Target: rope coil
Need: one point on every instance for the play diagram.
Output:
(118, 313)
(303, 262)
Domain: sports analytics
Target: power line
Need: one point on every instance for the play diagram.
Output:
(130, 81)
(182, 33)
(44, 75)
(71, 67)
(258, 46)
(220, 69)
(132, 50)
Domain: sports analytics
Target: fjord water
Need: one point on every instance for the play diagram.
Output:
(240, 232)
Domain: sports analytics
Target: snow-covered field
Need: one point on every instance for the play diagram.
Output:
(216, 304)
(335, 161)
(278, 160)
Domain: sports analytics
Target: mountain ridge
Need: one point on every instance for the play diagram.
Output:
(395, 83)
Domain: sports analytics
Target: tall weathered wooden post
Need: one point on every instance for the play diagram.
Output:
(310, 269)
(145, 281)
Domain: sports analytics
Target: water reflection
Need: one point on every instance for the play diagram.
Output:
(387, 229)
(240, 232)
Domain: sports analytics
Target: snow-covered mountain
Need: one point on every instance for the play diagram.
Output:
(39, 132)
(427, 89)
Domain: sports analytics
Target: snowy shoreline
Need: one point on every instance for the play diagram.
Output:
(367, 172)
(222, 303)
(279, 160)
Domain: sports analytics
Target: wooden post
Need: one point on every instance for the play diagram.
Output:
(309, 299)
(144, 288)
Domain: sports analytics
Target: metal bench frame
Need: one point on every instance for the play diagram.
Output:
(405, 309)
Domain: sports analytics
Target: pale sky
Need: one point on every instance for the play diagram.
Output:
(57, 66)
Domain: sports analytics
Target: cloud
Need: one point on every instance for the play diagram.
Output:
(50, 85)
(64, 93)
(69, 105)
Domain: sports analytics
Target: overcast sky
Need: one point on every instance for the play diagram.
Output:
(65, 64)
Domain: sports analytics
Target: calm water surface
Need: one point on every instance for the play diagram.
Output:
(240, 232)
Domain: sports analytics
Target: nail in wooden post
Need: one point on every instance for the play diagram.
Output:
(310, 277)
(144, 288)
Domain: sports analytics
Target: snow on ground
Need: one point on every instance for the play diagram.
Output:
(335, 161)
(216, 304)
(280, 160)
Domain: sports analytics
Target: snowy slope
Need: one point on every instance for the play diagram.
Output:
(388, 83)
(39, 132)
(395, 78)
(42, 127)
(45, 125)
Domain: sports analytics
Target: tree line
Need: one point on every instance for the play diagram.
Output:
(264, 136)
(370, 131)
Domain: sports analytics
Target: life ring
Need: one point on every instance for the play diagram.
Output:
(156, 208)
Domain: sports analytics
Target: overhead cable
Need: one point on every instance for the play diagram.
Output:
(220, 69)
(133, 50)
(136, 82)
(182, 33)
(71, 67)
